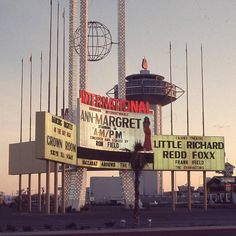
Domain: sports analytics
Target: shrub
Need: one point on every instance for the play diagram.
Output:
(72, 226)
(27, 229)
(84, 208)
(11, 228)
(109, 224)
(48, 227)
(82, 227)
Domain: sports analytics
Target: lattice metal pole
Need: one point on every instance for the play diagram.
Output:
(83, 43)
(125, 175)
(73, 61)
(121, 49)
(82, 172)
(72, 91)
(73, 178)
(77, 178)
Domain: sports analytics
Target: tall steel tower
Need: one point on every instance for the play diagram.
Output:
(76, 178)
(127, 89)
(146, 86)
(73, 62)
(125, 175)
(83, 44)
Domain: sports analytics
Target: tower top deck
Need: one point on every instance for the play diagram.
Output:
(151, 87)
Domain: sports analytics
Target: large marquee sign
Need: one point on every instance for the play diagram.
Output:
(55, 139)
(114, 124)
(196, 153)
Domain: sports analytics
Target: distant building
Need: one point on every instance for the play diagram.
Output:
(150, 183)
(222, 189)
(228, 171)
(105, 190)
(184, 188)
(108, 190)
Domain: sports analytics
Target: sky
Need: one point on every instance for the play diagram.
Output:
(150, 26)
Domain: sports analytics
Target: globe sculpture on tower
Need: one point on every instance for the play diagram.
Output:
(99, 41)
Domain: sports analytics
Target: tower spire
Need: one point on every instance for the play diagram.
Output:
(144, 63)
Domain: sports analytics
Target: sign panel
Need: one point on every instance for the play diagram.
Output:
(111, 130)
(22, 159)
(55, 138)
(109, 164)
(176, 152)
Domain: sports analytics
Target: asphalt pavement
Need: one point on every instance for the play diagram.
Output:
(116, 220)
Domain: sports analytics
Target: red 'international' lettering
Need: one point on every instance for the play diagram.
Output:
(114, 103)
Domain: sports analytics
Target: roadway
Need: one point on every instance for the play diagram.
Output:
(193, 231)
(109, 220)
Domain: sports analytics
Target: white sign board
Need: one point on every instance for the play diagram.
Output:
(55, 138)
(179, 152)
(112, 130)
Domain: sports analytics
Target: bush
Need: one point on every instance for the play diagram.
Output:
(11, 228)
(27, 229)
(71, 226)
(69, 209)
(84, 208)
(48, 227)
(109, 224)
(82, 227)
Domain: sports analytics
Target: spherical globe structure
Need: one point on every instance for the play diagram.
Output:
(99, 41)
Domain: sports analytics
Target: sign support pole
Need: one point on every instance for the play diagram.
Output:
(48, 187)
(39, 192)
(29, 193)
(63, 188)
(187, 104)
(203, 131)
(205, 190)
(171, 128)
(20, 193)
(56, 188)
(173, 189)
(189, 191)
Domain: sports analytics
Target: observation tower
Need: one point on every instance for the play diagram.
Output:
(153, 88)
(149, 87)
